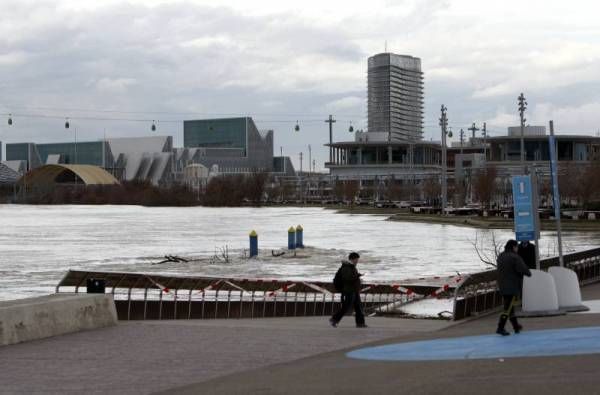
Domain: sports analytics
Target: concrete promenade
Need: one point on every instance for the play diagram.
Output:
(141, 357)
(284, 355)
(334, 372)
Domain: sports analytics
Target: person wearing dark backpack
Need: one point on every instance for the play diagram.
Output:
(347, 281)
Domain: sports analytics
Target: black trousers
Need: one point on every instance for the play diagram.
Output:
(509, 312)
(349, 300)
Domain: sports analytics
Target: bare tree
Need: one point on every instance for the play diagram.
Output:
(351, 189)
(432, 189)
(487, 248)
(545, 192)
(254, 186)
(393, 190)
(225, 190)
(273, 191)
(288, 190)
(410, 190)
(568, 176)
(338, 190)
(588, 184)
(459, 191)
(484, 185)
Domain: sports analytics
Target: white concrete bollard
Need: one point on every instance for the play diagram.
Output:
(539, 295)
(567, 289)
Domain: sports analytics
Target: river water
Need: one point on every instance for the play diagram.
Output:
(38, 244)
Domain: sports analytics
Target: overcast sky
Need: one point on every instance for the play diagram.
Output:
(174, 60)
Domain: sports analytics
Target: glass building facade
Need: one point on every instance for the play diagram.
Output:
(233, 144)
(135, 158)
(568, 148)
(216, 133)
(84, 153)
(19, 151)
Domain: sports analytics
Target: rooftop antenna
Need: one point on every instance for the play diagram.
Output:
(385, 47)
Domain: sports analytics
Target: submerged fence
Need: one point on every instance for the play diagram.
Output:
(478, 292)
(142, 296)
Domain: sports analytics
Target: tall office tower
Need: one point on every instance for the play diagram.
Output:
(395, 96)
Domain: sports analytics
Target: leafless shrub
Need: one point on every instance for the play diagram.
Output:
(432, 189)
(484, 185)
(487, 248)
(221, 255)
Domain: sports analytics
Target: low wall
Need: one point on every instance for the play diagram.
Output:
(36, 318)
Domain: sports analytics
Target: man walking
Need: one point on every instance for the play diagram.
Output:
(348, 280)
(511, 270)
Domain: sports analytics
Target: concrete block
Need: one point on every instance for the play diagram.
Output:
(539, 295)
(567, 289)
(36, 318)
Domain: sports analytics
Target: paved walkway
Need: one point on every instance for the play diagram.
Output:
(334, 372)
(147, 356)
(283, 355)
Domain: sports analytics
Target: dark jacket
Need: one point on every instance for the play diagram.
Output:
(527, 252)
(350, 277)
(511, 270)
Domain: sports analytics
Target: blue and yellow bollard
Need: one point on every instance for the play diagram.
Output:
(253, 244)
(299, 237)
(291, 238)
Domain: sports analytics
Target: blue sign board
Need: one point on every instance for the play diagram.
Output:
(524, 208)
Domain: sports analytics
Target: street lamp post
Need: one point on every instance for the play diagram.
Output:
(309, 170)
(444, 127)
(522, 108)
(309, 160)
(484, 133)
(473, 129)
(301, 186)
(330, 121)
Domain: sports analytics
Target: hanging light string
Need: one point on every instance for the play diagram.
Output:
(231, 114)
(491, 130)
(119, 119)
(297, 122)
(293, 117)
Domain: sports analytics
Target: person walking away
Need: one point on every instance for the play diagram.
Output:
(527, 253)
(347, 279)
(511, 270)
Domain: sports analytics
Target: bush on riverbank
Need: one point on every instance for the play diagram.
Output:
(235, 190)
(226, 190)
(128, 193)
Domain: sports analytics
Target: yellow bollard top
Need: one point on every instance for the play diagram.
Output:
(253, 233)
(292, 230)
(299, 228)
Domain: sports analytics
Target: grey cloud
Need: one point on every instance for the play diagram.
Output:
(215, 60)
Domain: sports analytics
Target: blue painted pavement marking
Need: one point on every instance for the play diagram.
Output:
(573, 341)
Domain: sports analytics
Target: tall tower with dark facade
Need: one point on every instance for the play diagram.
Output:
(395, 96)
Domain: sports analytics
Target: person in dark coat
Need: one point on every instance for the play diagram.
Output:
(511, 270)
(527, 253)
(350, 289)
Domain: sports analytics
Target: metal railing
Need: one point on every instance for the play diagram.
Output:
(142, 296)
(478, 293)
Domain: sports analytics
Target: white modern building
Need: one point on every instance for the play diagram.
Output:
(395, 97)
